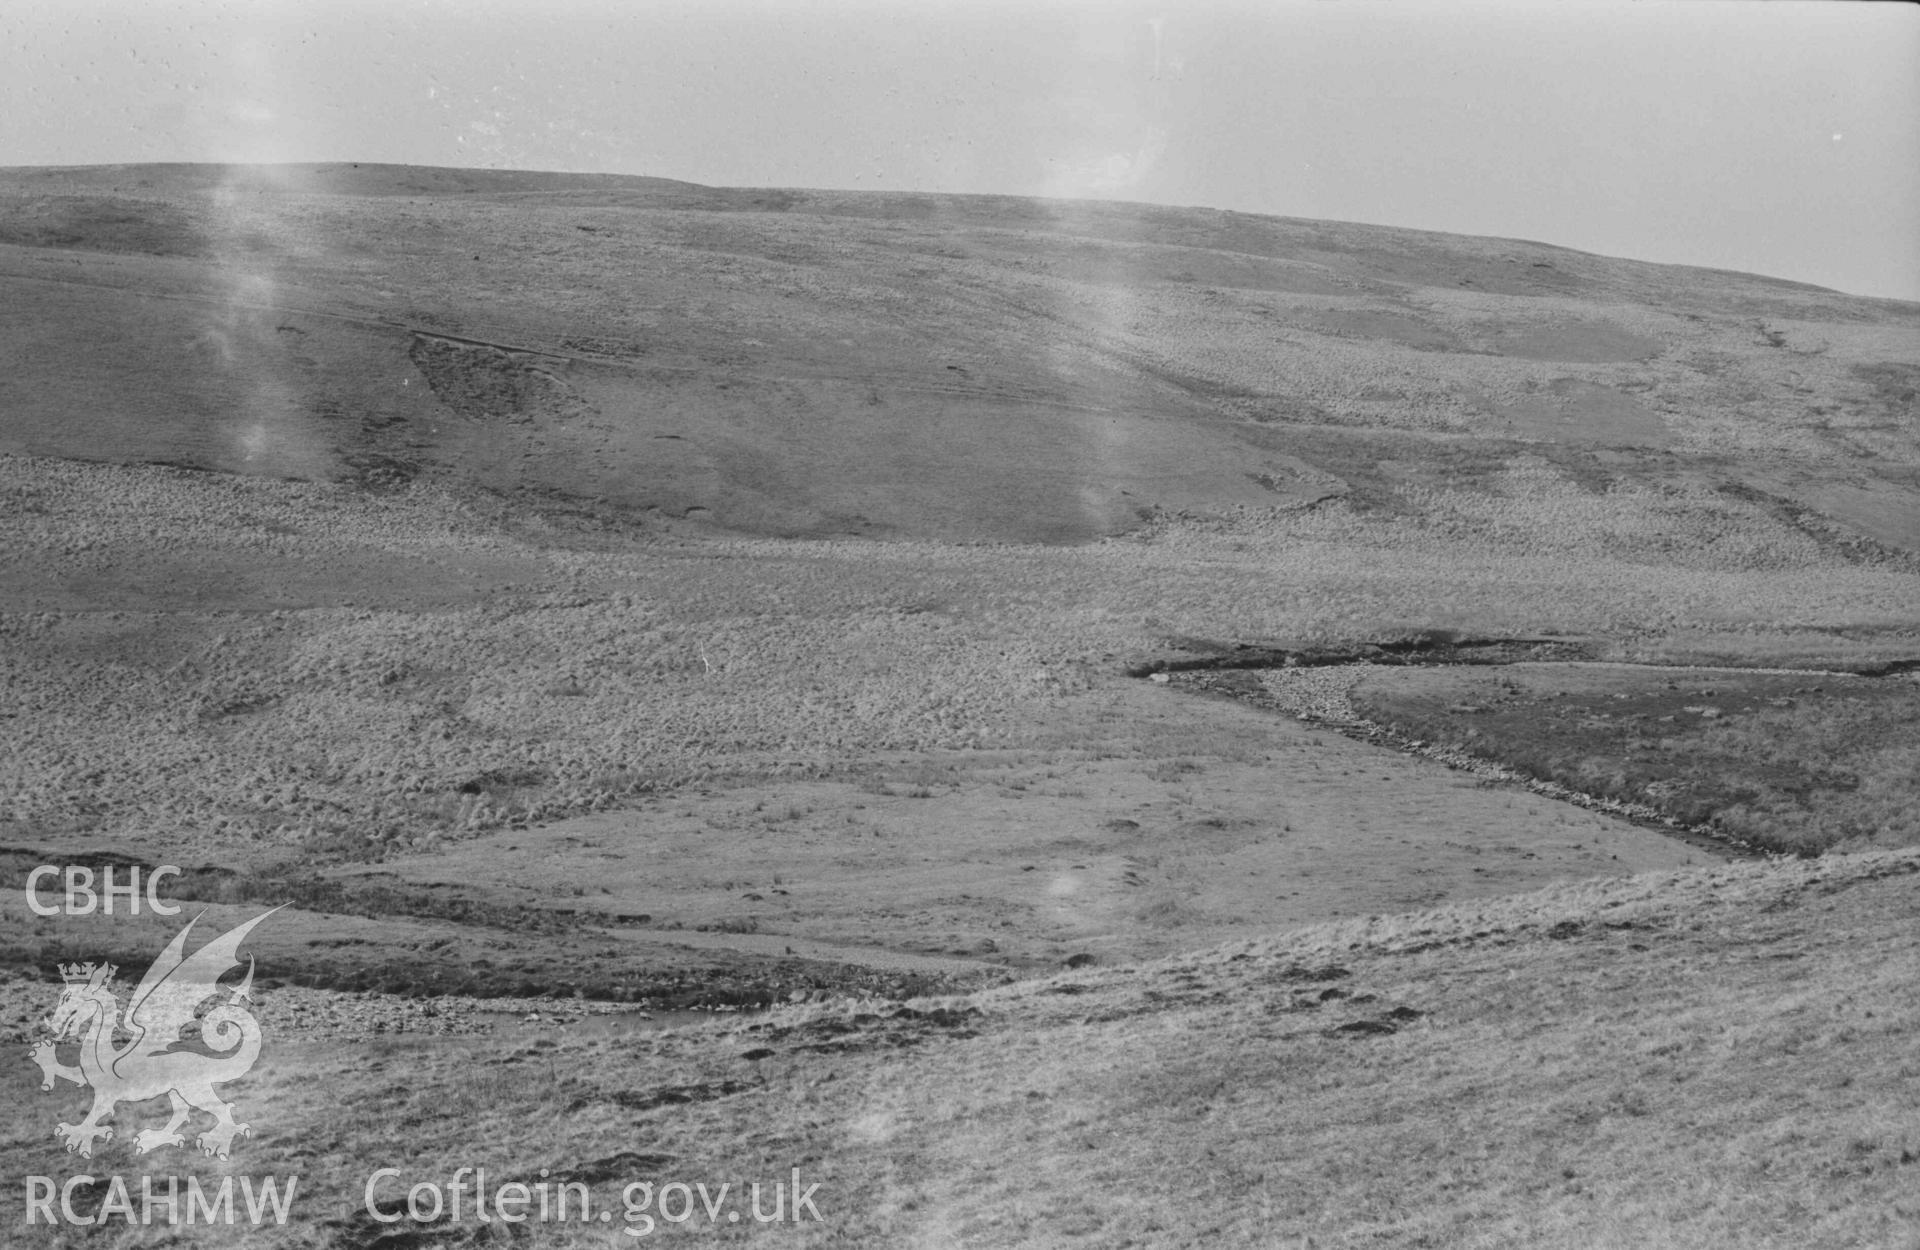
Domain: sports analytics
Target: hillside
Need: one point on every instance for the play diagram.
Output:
(1084, 723)
(919, 366)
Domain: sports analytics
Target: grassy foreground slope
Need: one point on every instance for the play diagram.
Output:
(1707, 1058)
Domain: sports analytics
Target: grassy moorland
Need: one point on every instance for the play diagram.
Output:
(673, 594)
(283, 670)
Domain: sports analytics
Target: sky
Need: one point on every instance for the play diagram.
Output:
(1772, 137)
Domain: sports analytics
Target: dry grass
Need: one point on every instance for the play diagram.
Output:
(1509, 1073)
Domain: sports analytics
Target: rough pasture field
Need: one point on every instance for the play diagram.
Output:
(643, 594)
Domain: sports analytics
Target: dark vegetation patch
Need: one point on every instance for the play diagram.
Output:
(545, 945)
(1406, 330)
(1425, 647)
(378, 472)
(1365, 1028)
(542, 968)
(1581, 342)
(1273, 409)
(1377, 466)
(1895, 385)
(867, 1030)
(1860, 509)
(360, 1230)
(1795, 762)
(1574, 411)
(306, 891)
(101, 224)
(673, 1095)
(1328, 972)
(625, 1165)
(483, 382)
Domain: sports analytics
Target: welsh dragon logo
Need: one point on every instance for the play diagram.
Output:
(155, 1058)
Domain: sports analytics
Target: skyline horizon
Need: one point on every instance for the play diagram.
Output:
(1780, 139)
(1383, 225)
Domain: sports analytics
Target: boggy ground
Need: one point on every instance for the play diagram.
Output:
(1776, 760)
(1788, 761)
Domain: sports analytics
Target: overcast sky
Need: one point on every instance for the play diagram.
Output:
(1780, 138)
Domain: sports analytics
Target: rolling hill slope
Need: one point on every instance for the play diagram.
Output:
(568, 592)
(914, 366)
